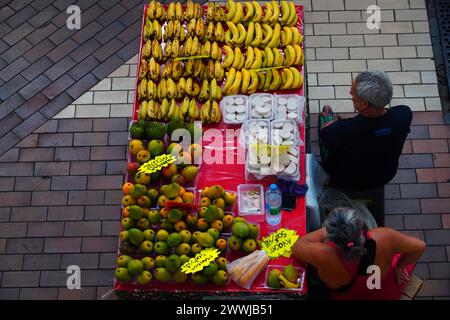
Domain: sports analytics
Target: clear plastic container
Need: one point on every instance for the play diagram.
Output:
(273, 205)
(249, 135)
(255, 101)
(229, 104)
(251, 201)
(227, 208)
(289, 107)
(300, 278)
(286, 163)
(281, 135)
(258, 163)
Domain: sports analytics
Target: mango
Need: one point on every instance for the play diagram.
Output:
(128, 201)
(195, 235)
(162, 275)
(160, 261)
(179, 276)
(153, 194)
(249, 245)
(204, 192)
(219, 202)
(143, 224)
(183, 249)
(144, 278)
(185, 236)
(149, 235)
(202, 211)
(221, 244)
(272, 279)
(174, 240)
(169, 171)
(290, 273)
(215, 192)
(148, 262)
(124, 235)
(196, 248)
(217, 224)
(221, 263)
(142, 178)
(191, 220)
(211, 213)
(172, 263)
(144, 201)
(214, 233)
(202, 224)
(205, 240)
(167, 225)
(205, 202)
(123, 260)
(253, 230)
(220, 277)
(143, 156)
(127, 223)
(188, 197)
(136, 236)
(234, 243)
(153, 216)
(175, 215)
(189, 173)
(162, 200)
(180, 226)
(135, 146)
(123, 275)
(210, 269)
(161, 248)
(138, 190)
(126, 188)
(178, 178)
(199, 278)
(230, 199)
(135, 266)
(156, 148)
(241, 229)
(136, 212)
(146, 247)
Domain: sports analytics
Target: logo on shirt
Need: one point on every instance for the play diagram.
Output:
(383, 132)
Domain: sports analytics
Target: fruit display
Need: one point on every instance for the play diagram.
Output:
(244, 236)
(288, 107)
(261, 107)
(287, 278)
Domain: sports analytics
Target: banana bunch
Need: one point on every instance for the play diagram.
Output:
(194, 68)
(192, 88)
(155, 11)
(173, 69)
(214, 70)
(154, 69)
(235, 12)
(188, 110)
(152, 30)
(293, 55)
(148, 110)
(233, 58)
(244, 81)
(272, 57)
(174, 30)
(152, 48)
(168, 110)
(142, 89)
(288, 14)
(291, 35)
(143, 69)
(271, 13)
(191, 47)
(214, 13)
(173, 49)
(210, 112)
(255, 35)
(175, 12)
(280, 79)
(210, 90)
(196, 27)
(193, 10)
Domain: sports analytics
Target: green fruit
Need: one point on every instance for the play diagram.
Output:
(135, 266)
(290, 273)
(272, 279)
(146, 247)
(214, 233)
(221, 263)
(235, 243)
(241, 229)
(183, 259)
(253, 231)
(239, 219)
(175, 123)
(199, 278)
(249, 245)
(137, 131)
(160, 261)
(152, 194)
(138, 190)
(183, 249)
(136, 212)
(174, 239)
(148, 262)
(144, 278)
(162, 235)
(195, 235)
(162, 275)
(156, 148)
(205, 240)
(155, 130)
(172, 190)
(185, 236)
(154, 217)
(179, 276)
(210, 269)
(127, 223)
(136, 236)
(220, 277)
(211, 213)
(196, 248)
(189, 173)
(161, 248)
(143, 224)
(167, 225)
(123, 260)
(154, 177)
(123, 275)
(175, 215)
(172, 263)
(149, 235)
(220, 213)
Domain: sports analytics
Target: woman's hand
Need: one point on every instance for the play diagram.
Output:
(401, 276)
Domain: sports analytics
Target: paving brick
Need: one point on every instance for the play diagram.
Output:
(319, 5)
(36, 154)
(37, 51)
(360, 28)
(81, 53)
(6, 184)
(396, 27)
(86, 32)
(99, 244)
(11, 262)
(97, 278)
(55, 140)
(18, 279)
(29, 125)
(45, 229)
(67, 112)
(402, 206)
(105, 67)
(72, 154)
(429, 77)
(404, 77)
(49, 198)
(15, 199)
(113, 196)
(58, 86)
(86, 98)
(435, 288)
(321, 92)
(28, 214)
(90, 139)
(421, 271)
(92, 111)
(84, 260)
(62, 245)
(24, 246)
(14, 68)
(108, 153)
(43, 16)
(9, 294)
(335, 79)
(316, 17)
(418, 64)
(4, 217)
(10, 104)
(422, 222)
(121, 110)
(60, 68)
(392, 191)
(62, 50)
(81, 86)
(395, 222)
(9, 122)
(444, 190)
(345, 16)
(38, 293)
(110, 228)
(37, 68)
(64, 213)
(34, 87)
(54, 279)
(317, 42)
(74, 125)
(42, 262)
(112, 212)
(433, 175)
(86, 197)
(440, 270)
(41, 33)
(105, 97)
(439, 132)
(418, 132)
(415, 161)
(51, 168)
(16, 169)
(107, 260)
(69, 183)
(18, 33)
(87, 293)
(104, 182)
(106, 36)
(32, 183)
(13, 230)
(83, 228)
(6, 12)
(49, 126)
(430, 146)
(435, 205)
(2, 246)
(427, 118)
(118, 138)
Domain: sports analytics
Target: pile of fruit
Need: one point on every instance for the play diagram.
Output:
(286, 279)
(244, 236)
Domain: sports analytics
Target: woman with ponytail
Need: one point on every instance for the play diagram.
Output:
(344, 259)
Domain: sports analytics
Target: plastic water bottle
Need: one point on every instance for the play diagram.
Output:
(273, 205)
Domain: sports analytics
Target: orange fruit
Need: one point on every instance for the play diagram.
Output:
(126, 188)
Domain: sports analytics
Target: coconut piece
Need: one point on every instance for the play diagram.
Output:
(281, 109)
(293, 151)
(239, 101)
(282, 101)
(285, 133)
(240, 117)
(292, 104)
(278, 124)
(292, 116)
(291, 169)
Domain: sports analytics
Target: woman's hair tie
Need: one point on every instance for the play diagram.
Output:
(350, 244)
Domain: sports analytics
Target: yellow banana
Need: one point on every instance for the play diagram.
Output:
(151, 9)
(239, 13)
(264, 62)
(230, 79)
(148, 30)
(245, 80)
(285, 12)
(289, 53)
(250, 34)
(142, 90)
(218, 71)
(143, 110)
(195, 47)
(204, 92)
(278, 61)
(297, 36)
(229, 38)
(150, 85)
(257, 62)
(269, 57)
(189, 10)
(231, 7)
(292, 14)
(253, 86)
(198, 68)
(215, 112)
(219, 14)
(276, 80)
(210, 31)
(171, 88)
(276, 12)
(200, 29)
(298, 78)
(268, 35)
(205, 112)
(162, 89)
(179, 14)
(154, 69)
(261, 80)
(193, 110)
(239, 41)
(147, 49)
(237, 57)
(211, 69)
(268, 13)
(216, 53)
(289, 79)
(191, 27)
(250, 56)
(219, 33)
(258, 35)
(206, 48)
(286, 36)
(143, 70)
(235, 87)
(249, 12)
(286, 283)
(274, 42)
(184, 108)
(229, 57)
(198, 11)
(298, 55)
(210, 11)
(171, 11)
(181, 88)
(258, 12)
(268, 81)
(173, 109)
(164, 109)
(157, 52)
(234, 31)
(157, 30)
(213, 89)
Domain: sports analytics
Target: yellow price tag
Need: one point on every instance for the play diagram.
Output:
(201, 260)
(157, 164)
(279, 243)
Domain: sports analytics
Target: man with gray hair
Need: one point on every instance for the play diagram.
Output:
(361, 153)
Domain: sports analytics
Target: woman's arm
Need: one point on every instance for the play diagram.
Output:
(309, 248)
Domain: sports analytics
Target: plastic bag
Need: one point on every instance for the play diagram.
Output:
(245, 270)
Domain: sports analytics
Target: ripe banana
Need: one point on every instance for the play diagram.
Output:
(148, 29)
(195, 49)
(173, 110)
(157, 51)
(257, 62)
(216, 53)
(142, 89)
(268, 81)
(200, 29)
(189, 10)
(154, 69)
(298, 55)
(193, 110)
(249, 12)
(239, 41)
(191, 27)
(268, 35)
(179, 14)
(250, 56)
(268, 13)
(261, 80)
(258, 36)
(164, 110)
(289, 79)
(234, 31)
(151, 90)
(229, 57)
(239, 13)
(253, 86)
(206, 49)
(198, 11)
(235, 87)
(297, 37)
(219, 33)
(218, 71)
(162, 89)
(189, 68)
(286, 36)
(269, 57)
(157, 30)
(205, 112)
(276, 13)
(276, 80)
(298, 78)
(151, 10)
(231, 75)
(289, 53)
(231, 8)
(143, 109)
(210, 11)
(245, 80)
(204, 92)
(238, 56)
(250, 33)
(210, 32)
(258, 12)
(287, 284)
(285, 12)
(198, 68)
(147, 49)
(152, 110)
(143, 70)
(278, 62)
(292, 21)
(171, 11)
(171, 89)
(275, 41)
(184, 108)
(215, 112)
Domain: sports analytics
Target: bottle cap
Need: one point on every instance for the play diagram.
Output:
(273, 186)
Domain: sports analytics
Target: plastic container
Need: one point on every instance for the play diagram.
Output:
(289, 107)
(247, 132)
(227, 208)
(251, 201)
(229, 103)
(300, 279)
(284, 132)
(286, 163)
(273, 205)
(254, 98)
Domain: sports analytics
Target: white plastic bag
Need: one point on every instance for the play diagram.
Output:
(245, 270)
